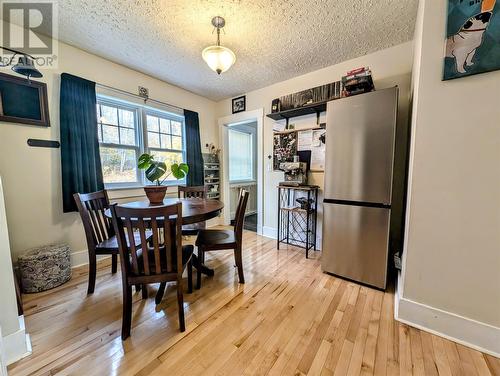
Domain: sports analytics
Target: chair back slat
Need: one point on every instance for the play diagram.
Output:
(144, 245)
(192, 192)
(178, 240)
(133, 248)
(238, 207)
(167, 233)
(99, 233)
(236, 214)
(156, 257)
(156, 245)
(239, 220)
(105, 222)
(91, 207)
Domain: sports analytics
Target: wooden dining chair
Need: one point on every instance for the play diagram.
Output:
(99, 232)
(192, 192)
(215, 240)
(161, 259)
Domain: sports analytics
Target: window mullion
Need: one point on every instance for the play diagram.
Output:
(144, 130)
(142, 141)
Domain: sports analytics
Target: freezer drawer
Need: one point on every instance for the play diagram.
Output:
(355, 243)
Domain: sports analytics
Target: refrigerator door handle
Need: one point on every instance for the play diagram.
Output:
(357, 203)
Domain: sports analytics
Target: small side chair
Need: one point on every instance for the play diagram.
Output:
(215, 240)
(192, 192)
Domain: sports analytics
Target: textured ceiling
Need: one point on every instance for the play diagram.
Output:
(273, 40)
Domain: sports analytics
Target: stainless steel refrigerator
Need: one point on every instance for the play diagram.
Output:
(360, 143)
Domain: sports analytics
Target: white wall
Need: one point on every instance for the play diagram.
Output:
(13, 341)
(451, 274)
(8, 313)
(32, 176)
(390, 67)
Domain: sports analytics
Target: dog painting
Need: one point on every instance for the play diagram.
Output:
(473, 38)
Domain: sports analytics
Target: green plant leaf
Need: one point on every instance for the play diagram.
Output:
(179, 171)
(144, 161)
(155, 171)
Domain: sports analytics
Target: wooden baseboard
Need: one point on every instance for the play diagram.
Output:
(80, 258)
(269, 232)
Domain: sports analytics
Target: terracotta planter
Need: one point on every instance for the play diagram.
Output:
(156, 193)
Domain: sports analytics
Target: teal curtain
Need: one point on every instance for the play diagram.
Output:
(194, 158)
(80, 159)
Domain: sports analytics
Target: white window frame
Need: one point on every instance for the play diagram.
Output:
(252, 167)
(141, 112)
(170, 116)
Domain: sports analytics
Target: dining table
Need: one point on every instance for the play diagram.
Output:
(194, 210)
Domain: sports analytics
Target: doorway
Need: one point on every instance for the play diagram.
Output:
(242, 169)
(242, 152)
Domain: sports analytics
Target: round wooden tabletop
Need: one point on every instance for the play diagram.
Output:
(194, 210)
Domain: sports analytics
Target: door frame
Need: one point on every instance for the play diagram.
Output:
(224, 122)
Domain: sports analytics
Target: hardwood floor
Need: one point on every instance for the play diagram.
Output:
(289, 319)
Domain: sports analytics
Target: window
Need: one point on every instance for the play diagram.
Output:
(119, 144)
(126, 130)
(165, 139)
(241, 156)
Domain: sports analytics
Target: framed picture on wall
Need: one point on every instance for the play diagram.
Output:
(473, 35)
(23, 101)
(239, 104)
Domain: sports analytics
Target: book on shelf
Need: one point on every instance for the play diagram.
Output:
(357, 70)
(358, 81)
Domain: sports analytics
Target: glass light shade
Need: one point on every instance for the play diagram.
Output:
(218, 58)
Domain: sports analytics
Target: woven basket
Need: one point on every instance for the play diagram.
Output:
(43, 268)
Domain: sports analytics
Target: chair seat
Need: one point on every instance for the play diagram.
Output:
(187, 252)
(216, 239)
(111, 245)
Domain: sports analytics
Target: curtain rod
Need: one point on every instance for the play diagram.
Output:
(137, 96)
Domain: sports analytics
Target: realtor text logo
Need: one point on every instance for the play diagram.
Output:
(30, 27)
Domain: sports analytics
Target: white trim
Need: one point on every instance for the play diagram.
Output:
(16, 345)
(3, 361)
(225, 175)
(243, 117)
(468, 332)
(270, 232)
(130, 98)
(80, 258)
(141, 111)
(397, 293)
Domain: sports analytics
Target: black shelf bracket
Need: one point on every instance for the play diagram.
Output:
(43, 143)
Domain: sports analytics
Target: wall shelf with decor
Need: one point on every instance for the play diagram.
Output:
(306, 102)
(316, 108)
(211, 175)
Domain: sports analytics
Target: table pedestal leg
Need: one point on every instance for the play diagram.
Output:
(203, 268)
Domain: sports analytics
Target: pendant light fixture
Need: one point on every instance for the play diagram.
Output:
(218, 58)
(25, 65)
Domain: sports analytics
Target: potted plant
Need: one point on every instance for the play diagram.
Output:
(155, 170)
